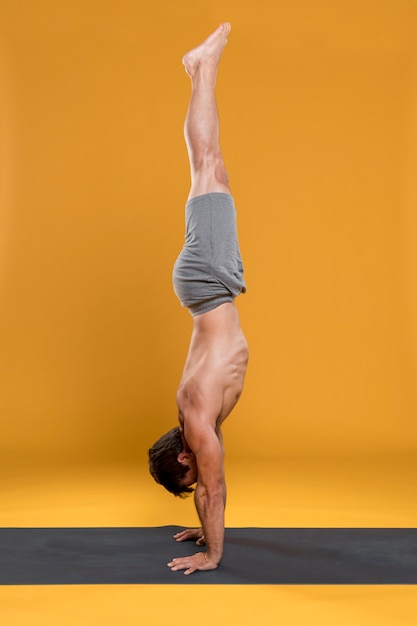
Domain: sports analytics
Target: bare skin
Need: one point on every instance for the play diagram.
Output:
(214, 371)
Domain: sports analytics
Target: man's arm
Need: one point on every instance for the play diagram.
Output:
(210, 494)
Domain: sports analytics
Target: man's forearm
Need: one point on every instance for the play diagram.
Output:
(210, 504)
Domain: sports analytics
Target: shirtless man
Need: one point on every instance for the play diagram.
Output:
(208, 275)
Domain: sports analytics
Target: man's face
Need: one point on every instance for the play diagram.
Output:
(192, 475)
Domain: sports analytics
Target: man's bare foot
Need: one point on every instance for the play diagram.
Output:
(209, 51)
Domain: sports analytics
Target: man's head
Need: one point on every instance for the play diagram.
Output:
(171, 466)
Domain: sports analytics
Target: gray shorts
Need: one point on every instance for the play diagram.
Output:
(209, 270)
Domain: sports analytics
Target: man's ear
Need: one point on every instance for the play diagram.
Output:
(184, 457)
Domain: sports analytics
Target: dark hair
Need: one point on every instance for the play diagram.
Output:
(164, 465)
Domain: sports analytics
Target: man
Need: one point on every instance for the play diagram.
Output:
(208, 275)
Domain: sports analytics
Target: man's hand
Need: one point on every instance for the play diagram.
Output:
(199, 561)
(190, 535)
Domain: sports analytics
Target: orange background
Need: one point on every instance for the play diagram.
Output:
(318, 104)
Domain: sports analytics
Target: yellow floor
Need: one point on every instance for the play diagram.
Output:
(320, 492)
(228, 606)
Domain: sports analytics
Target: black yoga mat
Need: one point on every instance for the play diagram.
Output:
(86, 556)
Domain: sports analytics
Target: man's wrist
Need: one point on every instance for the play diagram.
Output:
(209, 559)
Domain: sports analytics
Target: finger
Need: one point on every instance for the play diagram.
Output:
(189, 571)
(200, 542)
(180, 536)
(184, 535)
(176, 566)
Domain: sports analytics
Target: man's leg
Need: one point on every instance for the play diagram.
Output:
(208, 173)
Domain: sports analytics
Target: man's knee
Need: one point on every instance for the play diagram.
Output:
(210, 166)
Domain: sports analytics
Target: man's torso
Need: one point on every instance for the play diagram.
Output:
(214, 371)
